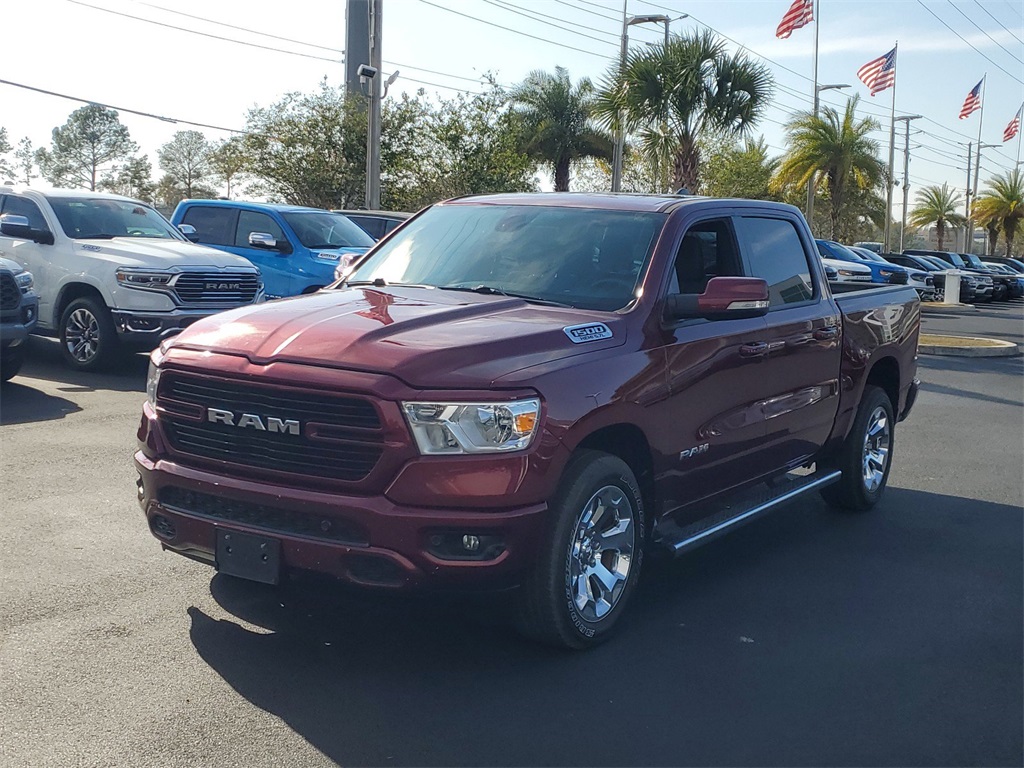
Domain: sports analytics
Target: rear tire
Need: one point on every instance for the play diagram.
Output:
(11, 360)
(589, 561)
(88, 339)
(866, 456)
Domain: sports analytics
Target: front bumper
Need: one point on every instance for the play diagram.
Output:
(16, 324)
(370, 541)
(146, 330)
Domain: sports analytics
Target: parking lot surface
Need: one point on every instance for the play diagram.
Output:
(807, 638)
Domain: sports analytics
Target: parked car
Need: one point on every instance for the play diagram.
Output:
(112, 273)
(376, 223)
(527, 391)
(1016, 289)
(295, 248)
(870, 246)
(848, 271)
(986, 286)
(1003, 286)
(920, 280)
(19, 311)
(880, 273)
(1015, 264)
(938, 273)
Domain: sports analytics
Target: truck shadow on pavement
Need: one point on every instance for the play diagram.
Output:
(809, 637)
(20, 404)
(45, 362)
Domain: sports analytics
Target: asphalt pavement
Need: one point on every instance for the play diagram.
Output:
(807, 638)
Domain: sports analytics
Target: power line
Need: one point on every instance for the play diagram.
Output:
(203, 34)
(986, 34)
(523, 12)
(993, 63)
(123, 109)
(997, 21)
(506, 29)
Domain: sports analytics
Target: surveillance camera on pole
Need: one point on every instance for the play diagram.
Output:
(366, 73)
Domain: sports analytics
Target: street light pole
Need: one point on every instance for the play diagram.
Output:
(373, 122)
(620, 134)
(969, 240)
(906, 171)
(810, 182)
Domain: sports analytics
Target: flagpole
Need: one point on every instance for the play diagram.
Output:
(1020, 131)
(892, 154)
(816, 6)
(969, 241)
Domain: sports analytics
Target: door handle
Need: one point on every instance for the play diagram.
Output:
(826, 334)
(754, 349)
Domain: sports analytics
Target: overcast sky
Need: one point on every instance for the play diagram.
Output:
(70, 48)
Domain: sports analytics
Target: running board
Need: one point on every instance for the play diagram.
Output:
(740, 510)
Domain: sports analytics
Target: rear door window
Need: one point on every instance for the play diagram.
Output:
(214, 225)
(774, 252)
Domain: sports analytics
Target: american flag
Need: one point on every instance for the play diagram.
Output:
(1014, 126)
(800, 14)
(879, 74)
(973, 101)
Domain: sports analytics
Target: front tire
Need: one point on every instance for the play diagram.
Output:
(589, 562)
(88, 339)
(866, 456)
(11, 360)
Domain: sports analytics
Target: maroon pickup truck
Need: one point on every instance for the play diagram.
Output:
(529, 392)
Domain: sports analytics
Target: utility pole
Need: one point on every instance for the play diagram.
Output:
(969, 241)
(906, 171)
(373, 122)
(967, 193)
(886, 239)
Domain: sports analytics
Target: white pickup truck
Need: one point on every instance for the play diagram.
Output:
(113, 273)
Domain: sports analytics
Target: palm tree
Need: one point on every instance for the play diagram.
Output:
(836, 146)
(1003, 202)
(937, 205)
(671, 94)
(557, 122)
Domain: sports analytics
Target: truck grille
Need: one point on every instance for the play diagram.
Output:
(338, 436)
(10, 294)
(221, 289)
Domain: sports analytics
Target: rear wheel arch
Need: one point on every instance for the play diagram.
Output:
(885, 373)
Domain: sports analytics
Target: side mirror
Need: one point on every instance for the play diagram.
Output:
(724, 298)
(13, 225)
(264, 240)
(189, 232)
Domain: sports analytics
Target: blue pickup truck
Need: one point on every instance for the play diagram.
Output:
(295, 248)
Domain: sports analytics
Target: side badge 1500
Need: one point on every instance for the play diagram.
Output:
(579, 334)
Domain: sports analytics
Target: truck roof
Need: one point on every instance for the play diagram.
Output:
(81, 193)
(612, 201)
(280, 207)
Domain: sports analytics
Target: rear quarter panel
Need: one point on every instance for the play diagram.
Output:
(879, 324)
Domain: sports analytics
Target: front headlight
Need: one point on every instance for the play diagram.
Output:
(143, 278)
(152, 382)
(848, 272)
(473, 427)
(24, 281)
(886, 272)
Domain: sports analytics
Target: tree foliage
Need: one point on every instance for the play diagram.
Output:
(131, 179)
(6, 169)
(186, 160)
(835, 149)
(557, 122)
(25, 161)
(938, 206)
(740, 170)
(671, 95)
(91, 140)
(228, 162)
(1002, 203)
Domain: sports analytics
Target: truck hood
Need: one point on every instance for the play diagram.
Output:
(426, 337)
(158, 254)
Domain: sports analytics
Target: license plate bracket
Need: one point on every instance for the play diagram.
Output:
(257, 558)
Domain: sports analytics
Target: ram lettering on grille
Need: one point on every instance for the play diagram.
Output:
(253, 421)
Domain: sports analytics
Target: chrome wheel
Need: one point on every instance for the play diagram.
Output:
(875, 458)
(601, 552)
(82, 335)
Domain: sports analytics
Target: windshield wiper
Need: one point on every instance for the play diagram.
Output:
(96, 237)
(488, 290)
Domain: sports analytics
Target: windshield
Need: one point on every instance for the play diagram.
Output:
(936, 262)
(839, 251)
(973, 260)
(103, 218)
(322, 229)
(582, 257)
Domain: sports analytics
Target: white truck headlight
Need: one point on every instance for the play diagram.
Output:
(142, 278)
(24, 281)
(473, 427)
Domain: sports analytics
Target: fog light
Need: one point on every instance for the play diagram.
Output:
(162, 527)
(470, 543)
(452, 545)
(140, 487)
